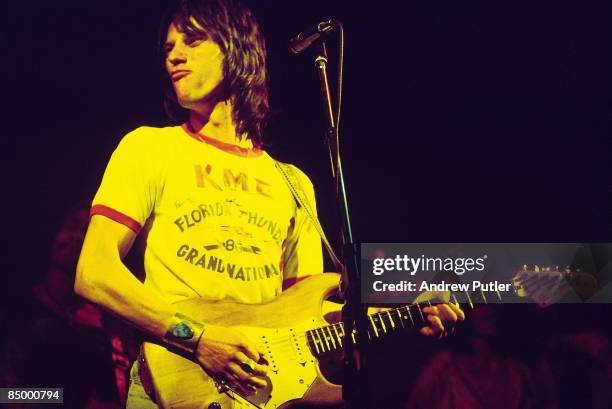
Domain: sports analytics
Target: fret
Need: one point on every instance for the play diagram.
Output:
(391, 320)
(399, 314)
(337, 335)
(325, 338)
(354, 334)
(344, 333)
(382, 322)
(374, 326)
(331, 337)
(314, 342)
(318, 339)
(469, 300)
(420, 311)
(410, 315)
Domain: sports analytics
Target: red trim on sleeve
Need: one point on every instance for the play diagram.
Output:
(288, 282)
(117, 216)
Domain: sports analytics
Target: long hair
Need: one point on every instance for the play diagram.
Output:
(234, 29)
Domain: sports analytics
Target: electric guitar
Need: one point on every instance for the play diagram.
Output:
(297, 340)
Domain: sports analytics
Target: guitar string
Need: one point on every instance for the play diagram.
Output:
(324, 342)
(324, 339)
(405, 320)
(377, 316)
(331, 341)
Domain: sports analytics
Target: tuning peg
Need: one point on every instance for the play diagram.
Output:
(536, 268)
(546, 269)
(525, 268)
(568, 269)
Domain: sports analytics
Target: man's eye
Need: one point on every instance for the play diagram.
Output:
(192, 41)
(168, 47)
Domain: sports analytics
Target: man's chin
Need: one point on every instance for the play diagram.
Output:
(188, 103)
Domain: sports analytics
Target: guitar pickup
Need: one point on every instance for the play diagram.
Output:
(298, 348)
(269, 360)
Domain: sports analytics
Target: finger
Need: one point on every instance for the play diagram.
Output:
(238, 386)
(245, 378)
(457, 310)
(255, 368)
(249, 350)
(436, 325)
(260, 350)
(432, 309)
(447, 314)
(427, 331)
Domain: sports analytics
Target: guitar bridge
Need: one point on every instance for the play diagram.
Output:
(243, 403)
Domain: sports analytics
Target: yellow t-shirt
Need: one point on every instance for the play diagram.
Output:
(218, 220)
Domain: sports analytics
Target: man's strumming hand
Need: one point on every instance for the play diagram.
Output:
(228, 354)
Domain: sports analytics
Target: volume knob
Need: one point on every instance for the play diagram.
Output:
(214, 405)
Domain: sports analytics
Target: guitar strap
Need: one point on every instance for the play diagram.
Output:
(293, 183)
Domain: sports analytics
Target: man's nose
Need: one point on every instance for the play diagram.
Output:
(176, 56)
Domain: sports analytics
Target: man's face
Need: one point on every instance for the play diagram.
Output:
(195, 67)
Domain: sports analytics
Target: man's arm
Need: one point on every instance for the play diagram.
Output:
(105, 280)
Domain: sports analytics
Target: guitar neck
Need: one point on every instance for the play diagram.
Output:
(331, 337)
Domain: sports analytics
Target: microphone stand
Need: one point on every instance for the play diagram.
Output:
(354, 391)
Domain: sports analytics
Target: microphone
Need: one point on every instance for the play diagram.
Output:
(303, 40)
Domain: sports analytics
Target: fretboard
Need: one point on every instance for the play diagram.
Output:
(330, 338)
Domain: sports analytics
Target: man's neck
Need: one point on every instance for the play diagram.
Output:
(217, 124)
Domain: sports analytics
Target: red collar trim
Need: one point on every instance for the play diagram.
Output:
(227, 147)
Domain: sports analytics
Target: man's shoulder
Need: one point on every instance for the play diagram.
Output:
(295, 170)
(150, 137)
(148, 133)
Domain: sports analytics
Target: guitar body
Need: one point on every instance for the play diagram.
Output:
(294, 375)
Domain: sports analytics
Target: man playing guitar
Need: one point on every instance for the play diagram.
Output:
(216, 216)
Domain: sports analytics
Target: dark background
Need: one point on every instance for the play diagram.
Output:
(462, 121)
(470, 121)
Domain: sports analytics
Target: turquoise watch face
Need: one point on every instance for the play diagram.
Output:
(182, 331)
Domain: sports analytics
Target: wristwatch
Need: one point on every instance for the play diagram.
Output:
(184, 333)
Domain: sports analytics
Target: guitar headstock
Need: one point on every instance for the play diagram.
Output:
(548, 285)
